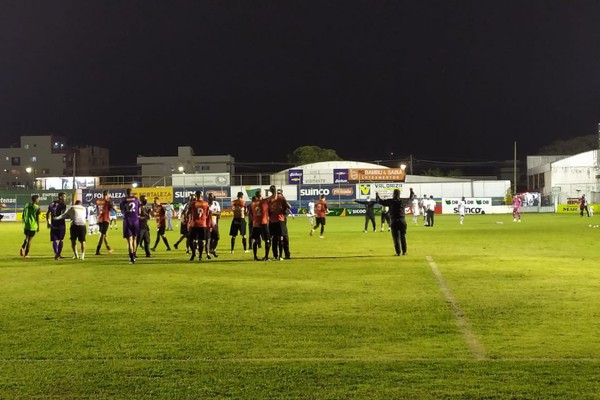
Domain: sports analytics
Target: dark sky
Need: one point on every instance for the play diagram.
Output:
(448, 80)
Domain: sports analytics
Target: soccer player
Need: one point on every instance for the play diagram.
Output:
(105, 208)
(430, 207)
(215, 214)
(92, 218)
(583, 206)
(276, 222)
(113, 218)
(143, 239)
(31, 224)
(130, 207)
(385, 218)
(370, 212)
(260, 225)
(250, 215)
(183, 217)
(311, 212)
(57, 226)
(461, 209)
(199, 222)
(415, 209)
(159, 212)
(76, 213)
(397, 205)
(320, 213)
(517, 203)
(238, 224)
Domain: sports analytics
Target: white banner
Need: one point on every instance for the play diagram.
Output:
(474, 205)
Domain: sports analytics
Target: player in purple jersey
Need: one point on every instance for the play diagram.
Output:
(130, 207)
(57, 226)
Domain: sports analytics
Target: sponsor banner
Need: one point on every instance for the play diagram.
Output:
(361, 211)
(201, 181)
(316, 178)
(165, 194)
(474, 205)
(574, 208)
(295, 176)
(181, 195)
(376, 174)
(331, 192)
(340, 175)
(385, 190)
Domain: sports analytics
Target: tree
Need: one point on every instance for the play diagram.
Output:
(571, 146)
(312, 154)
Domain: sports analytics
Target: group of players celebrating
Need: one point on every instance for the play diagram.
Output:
(199, 222)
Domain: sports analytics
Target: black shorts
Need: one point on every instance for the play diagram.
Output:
(260, 232)
(238, 225)
(160, 230)
(320, 220)
(103, 227)
(57, 233)
(78, 232)
(29, 233)
(198, 233)
(214, 233)
(183, 229)
(275, 229)
(278, 228)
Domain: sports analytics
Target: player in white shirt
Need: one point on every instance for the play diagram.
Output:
(215, 212)
(416, 209)
(461, 209)
(311, 212)
(76, 213)
(92, 219)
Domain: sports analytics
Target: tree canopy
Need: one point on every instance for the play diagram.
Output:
(312, 154)
(571, 146)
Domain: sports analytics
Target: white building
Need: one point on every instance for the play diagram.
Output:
(564, 177)
(47, 156)
(185, 162)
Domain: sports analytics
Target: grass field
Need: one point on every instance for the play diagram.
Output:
(491, 309)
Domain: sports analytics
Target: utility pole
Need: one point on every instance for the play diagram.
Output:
(515, 170)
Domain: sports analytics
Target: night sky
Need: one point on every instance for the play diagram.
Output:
(441, 80)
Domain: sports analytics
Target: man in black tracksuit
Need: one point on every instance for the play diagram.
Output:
(370, 212)
(398, 225)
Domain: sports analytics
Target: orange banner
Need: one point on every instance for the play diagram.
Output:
(377, 174)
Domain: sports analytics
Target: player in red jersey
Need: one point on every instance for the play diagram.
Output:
(238, 224)
(198, 224)
(320, 213)
(104, 206)
(260, 225)
(160, 213)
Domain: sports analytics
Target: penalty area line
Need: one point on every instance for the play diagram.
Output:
(472, 342)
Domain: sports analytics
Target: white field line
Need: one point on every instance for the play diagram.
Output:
(472, 342)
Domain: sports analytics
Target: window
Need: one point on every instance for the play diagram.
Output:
(15, 161)
(45, 171)
(33, 159)
(205, 167)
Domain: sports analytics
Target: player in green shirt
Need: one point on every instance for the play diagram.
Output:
(31, 224)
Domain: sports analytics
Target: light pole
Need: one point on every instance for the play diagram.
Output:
(29, 179)
(181, 170)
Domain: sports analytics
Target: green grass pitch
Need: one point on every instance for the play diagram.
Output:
(491, 309)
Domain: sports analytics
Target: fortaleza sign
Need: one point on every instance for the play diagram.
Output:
(473, 205)
(376, 174)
